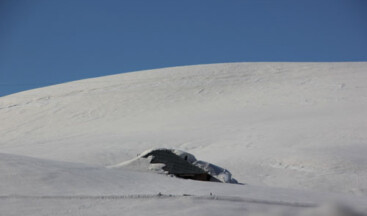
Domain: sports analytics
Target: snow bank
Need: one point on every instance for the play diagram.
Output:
(294, 132)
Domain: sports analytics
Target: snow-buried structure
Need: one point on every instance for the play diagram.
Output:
(180, 164)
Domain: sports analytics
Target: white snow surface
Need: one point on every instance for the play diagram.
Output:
(293, 133)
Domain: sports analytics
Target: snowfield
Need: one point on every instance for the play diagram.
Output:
(293, 133)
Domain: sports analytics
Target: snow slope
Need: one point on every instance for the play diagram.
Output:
(280, 128)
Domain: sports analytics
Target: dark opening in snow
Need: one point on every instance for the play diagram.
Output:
(180, 167)
(185, 165)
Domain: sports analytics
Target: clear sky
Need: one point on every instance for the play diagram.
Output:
(44, 42)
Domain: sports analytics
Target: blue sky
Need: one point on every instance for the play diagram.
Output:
(44, 42)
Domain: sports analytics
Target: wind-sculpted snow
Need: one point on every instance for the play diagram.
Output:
(284, 129)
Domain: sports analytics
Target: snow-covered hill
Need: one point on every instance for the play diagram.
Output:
(280, 128)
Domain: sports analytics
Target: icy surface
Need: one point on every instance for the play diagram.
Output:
(219, 173)
(295, 133)
(185, 155)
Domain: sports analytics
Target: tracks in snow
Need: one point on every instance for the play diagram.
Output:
(161, 196)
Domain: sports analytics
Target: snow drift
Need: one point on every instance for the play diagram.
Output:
(284, 127)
